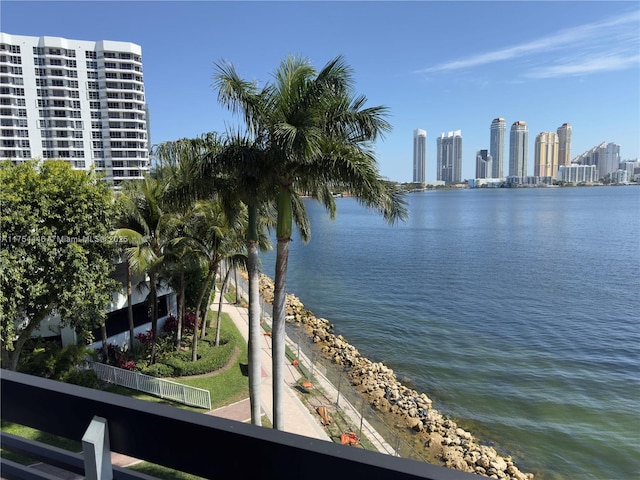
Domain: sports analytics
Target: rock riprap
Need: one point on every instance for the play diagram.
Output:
(455, 447)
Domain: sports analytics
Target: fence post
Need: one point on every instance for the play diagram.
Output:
(339, 385)
(97, 451)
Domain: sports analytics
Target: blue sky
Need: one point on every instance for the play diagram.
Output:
(438, 66)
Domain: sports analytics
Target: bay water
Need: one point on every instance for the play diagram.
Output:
(515, 310)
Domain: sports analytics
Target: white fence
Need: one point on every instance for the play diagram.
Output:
(195, 397)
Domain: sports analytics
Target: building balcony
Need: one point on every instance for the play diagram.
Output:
(183, 440)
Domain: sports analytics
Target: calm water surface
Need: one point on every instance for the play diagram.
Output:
(516, 310)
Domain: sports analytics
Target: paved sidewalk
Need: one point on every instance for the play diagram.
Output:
(297, 418)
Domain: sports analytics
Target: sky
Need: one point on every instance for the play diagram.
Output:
(437, 66)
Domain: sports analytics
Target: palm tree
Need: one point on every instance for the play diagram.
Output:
(231, 168)
(316, 135)
(148, 230)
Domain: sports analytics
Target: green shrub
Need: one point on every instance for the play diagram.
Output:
(210, 357)
(158, 370)
(84, 378)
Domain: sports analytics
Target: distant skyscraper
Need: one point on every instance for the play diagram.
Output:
(564, 144)
(450, 157)
(545, 162)
(518, 149)
(496, 146)
(419, 155)
(483, 164)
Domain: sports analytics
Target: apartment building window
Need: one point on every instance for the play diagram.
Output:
(26, 154)
(38, 51)
(94, 105)
(73, 83)
(110, 65)
(91, 65)
(96, 115)
(53, 51)
(21, 102)
(22, 112)
(56, 82)
(23, 133)
(98, 144)
(94, 95)
(71, 63)
(76, 104)
(96, 125)
(40, 72)
(74, 94)
(38, 61)
(111, 75)
(78, 144)
(47, 143)
(56, 72)
(90, 54)
(15, 48)
(55, 61)
(77, 124)
(96, 134)
(92, 85)
(92, 74)
(76, 114)
(77, 134)
(47, 153)
(71, 53)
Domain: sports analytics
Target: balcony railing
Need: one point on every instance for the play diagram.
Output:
(187, 441)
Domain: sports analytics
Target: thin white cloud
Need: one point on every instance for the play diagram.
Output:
(618, 33)
(594, 65)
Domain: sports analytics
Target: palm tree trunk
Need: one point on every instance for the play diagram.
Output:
(153, 298)
(219, 318)
(205, 308)
(203, 291)
(255, 363)
(129, 306)
(180, 314)
(285, 222)
(103, 333)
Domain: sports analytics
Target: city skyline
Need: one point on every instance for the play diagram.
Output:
(528, 65)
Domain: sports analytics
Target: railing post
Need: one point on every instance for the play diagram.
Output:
(96, 451)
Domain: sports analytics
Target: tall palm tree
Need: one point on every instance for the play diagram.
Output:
(148, 230)
(316, 135)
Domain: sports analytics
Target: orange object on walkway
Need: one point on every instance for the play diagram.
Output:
(349, 438)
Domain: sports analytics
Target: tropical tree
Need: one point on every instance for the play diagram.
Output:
(149, 230)
(316, 134)
(56, 254)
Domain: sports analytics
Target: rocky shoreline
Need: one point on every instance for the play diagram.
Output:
(444, 440)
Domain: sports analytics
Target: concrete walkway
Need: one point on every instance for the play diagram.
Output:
(297, 418)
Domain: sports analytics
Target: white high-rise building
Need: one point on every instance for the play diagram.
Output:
(80, 101)
(518, 149)
(450, 157)
(419, 155)
(483, 164)
(496, 146)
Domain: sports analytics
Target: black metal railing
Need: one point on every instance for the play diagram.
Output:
(191, 442)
